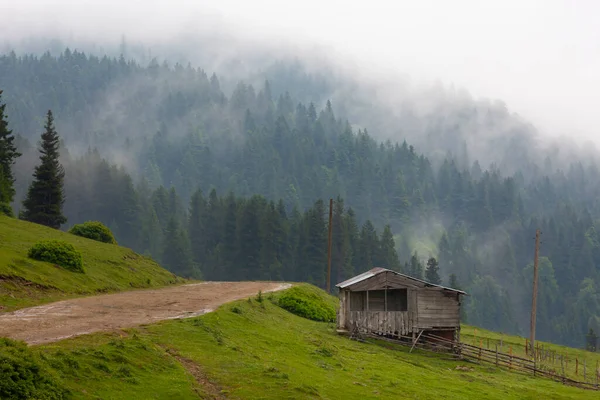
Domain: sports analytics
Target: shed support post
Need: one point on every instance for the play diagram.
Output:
(415, 341)
(385, 307)
(368, 320)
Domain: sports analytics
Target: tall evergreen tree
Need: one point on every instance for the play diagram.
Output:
(177, 255)
(196, 228)
(45, 197)
(315, 251)
(414, 268)
(249, 240)
(388, 250)
(453, 282)
(431, 272)
(8, 155)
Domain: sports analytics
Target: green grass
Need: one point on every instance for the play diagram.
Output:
(257, 350)
(108, 268)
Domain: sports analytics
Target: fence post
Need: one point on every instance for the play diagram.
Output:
(562, 364)
(496, 354)
(510, 352)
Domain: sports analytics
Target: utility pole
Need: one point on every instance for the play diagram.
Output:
(329, 246)
(535, 290)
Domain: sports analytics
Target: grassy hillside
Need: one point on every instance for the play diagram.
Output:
(251, 349)
(108, 268)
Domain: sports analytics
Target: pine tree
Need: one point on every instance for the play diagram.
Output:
(45, 197)
(196, 228)
(353, 240)
(315, 250)
(8, 154)
(177, 254)
(248, 241)
(272, 234)
(453, 282)
(341, 253)
(369, 247)
(414, 268)
(431, 273)
(388, 250)
(228, 267)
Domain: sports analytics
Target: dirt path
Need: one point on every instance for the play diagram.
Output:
(64, 319)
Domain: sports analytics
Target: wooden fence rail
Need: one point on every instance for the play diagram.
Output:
(494, 356)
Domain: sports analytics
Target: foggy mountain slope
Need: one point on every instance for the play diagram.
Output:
(182, 129)
(438, 121)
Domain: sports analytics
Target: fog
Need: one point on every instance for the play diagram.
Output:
(541, 57)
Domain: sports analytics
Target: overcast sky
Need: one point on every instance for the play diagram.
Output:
(541, 56)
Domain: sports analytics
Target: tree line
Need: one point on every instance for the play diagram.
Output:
(175, 128)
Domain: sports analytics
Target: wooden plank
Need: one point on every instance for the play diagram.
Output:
(438, 314)
(439, 309)
(429, 317)
(403, 323)
(439, 321)
(373, 283)
(400, 281)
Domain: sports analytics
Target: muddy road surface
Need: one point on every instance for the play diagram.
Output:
(64, 319)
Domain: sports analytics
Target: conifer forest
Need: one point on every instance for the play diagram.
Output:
(225, 179)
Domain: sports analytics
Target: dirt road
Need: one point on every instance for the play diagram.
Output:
(64, 319)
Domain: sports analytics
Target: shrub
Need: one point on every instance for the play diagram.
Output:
(6, 209)
(57, 252)
(22, 376)
(309, 302)
(94, 230)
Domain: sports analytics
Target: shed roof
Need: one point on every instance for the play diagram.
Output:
(378, 270)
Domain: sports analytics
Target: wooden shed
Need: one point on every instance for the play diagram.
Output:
(385, 302)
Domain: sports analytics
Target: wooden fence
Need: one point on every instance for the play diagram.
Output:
(534, 365)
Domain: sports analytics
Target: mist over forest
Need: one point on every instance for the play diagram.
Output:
(217, 159)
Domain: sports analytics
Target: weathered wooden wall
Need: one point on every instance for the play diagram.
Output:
(437, 308)
(384, 322)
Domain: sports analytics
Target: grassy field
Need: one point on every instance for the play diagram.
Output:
(108, 268)
(256, 350)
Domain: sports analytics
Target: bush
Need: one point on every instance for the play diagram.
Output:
(57, 252)
(94, 230)
(6, 209)
(309, 302)
(22, 376)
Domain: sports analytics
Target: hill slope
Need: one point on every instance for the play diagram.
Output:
(251, 349)
(108, 268)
